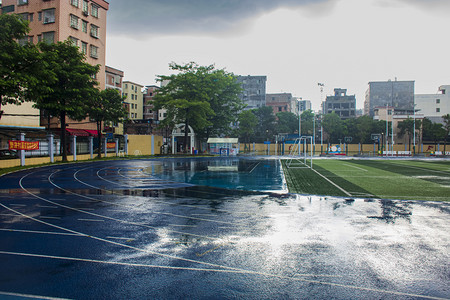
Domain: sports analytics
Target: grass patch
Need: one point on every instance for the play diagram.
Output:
(387, 179)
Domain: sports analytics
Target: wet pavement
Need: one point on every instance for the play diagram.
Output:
(146, 229)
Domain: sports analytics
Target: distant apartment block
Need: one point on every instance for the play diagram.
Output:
(280, 102)
(434, 106)
(254, 91)
(134, 101)
(149, 112)
(397, 94)
(340, 103)
(303, 105)
(113, 78)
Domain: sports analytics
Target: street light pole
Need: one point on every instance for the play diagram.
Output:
(299, 125)
(414, 129)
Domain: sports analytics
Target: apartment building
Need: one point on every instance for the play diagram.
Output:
(81, 21)
(134, 101)
(254, 91)
(149, 112)
(280, 102)
(340, 103)
(434, 106)
(398, 94)
(113, 78)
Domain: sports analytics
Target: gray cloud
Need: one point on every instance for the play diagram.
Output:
(200, 17)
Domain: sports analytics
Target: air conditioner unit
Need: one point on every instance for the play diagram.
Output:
(85, 12)
(46, 20)
(74, 26)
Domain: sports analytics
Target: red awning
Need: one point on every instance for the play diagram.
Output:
(91, 132)
(77, 132)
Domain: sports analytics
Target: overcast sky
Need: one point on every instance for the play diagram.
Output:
(295, 43)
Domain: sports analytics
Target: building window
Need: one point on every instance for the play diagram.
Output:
(48, 37)
(94, 10)
(39, 38)
(438, 109)
(40, 16)
(84, 48)
(84, 26)
(85, 8)
(74, 21)
(438, 101)
(49, 16)
(24, 16)
(94, 31)
(22, 2)
(74, 2)
(7, 9)
(74, 41)
(94, 51)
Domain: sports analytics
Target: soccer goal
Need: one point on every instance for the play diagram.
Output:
(298, 157)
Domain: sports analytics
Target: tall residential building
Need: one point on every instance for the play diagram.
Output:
(434, 106)
(398, 94)
(134, 100)
(342, 104)
(81, 21)
(254, 91)
(279, 102)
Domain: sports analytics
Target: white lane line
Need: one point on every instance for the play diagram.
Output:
(349, 165)
(20, 205)
(48, 217)
(204, 215)
(39, 232)
(236, 271)
(10, 215)
(30, 296)
(91, 220)
(326, 178)
(46, 206)
(120, 238)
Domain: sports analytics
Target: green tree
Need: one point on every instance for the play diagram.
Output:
(407, 127)
(266, 123)
(307, 122)
(333, 126)
(247, 126)
(432, 131)
(199, 96)
(20, 65)
(106, 106)
(70, 83)
(287, 122)
(446, 127)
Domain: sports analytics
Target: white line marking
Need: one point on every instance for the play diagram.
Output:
(46, 206)
(48, 217)
(356, 167)
(20, 205)
(120, 238)
(91, 220)
(30, 296)
(10, 215)
(221, 271)
(39, 232)
(344, 191)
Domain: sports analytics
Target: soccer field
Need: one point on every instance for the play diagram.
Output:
(385, 179)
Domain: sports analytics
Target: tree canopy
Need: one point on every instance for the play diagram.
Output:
(107, 106)
(202, 97)
(20, 65)
(70, 82)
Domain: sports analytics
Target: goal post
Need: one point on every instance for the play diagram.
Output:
(296, 154)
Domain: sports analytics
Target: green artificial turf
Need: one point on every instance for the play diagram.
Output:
(386, 179)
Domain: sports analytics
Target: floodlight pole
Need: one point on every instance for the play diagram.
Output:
(414, 129)
(299, 125)
(387, 132)
(314, 133)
